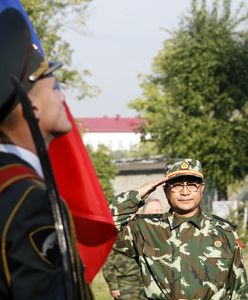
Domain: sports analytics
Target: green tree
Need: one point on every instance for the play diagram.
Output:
(196, 99)
(236, 216)
(104, 167)
(142, 149)
(50, 19)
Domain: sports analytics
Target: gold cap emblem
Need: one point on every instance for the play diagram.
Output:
(35, 46)
(218, 244)
(42, 68)
(184, 166)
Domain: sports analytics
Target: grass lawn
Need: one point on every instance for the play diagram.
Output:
(100, 288)
(246, 260)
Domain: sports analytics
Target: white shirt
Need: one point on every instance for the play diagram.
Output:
(24, 154)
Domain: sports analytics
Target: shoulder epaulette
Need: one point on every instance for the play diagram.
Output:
(15, 172)
(234, 226)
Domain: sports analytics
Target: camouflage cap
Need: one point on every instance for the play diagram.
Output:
(182, 167)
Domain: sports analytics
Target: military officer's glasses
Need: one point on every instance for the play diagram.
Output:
(178, 187)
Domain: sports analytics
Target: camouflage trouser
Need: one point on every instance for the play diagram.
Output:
(130, 290)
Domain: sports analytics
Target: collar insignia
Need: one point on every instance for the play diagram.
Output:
(218, 244)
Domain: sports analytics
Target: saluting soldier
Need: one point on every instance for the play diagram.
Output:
(30, 262)
(186, 253)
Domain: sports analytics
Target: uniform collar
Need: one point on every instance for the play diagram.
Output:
(175, 221)
(24, 154)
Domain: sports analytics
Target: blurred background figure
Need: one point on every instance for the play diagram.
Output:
(123, 277)
(122, 273)
(152, 206)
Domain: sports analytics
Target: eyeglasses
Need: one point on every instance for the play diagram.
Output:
(178, 187)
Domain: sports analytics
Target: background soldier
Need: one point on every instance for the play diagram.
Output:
(123, 277)
(30, 263)
(186, 254)
(152, 206)
(121, 273)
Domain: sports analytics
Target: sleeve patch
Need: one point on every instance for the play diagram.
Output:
(240, 244)
(44, 242)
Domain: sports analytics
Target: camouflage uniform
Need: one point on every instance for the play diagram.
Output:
(193, 258)
(122, 273)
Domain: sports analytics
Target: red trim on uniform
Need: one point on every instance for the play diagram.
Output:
(13, 173)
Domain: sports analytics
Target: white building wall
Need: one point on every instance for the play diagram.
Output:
(114, 140)
(123, 183)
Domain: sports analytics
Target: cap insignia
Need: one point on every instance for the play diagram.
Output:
(42, 68)
(184, 166)
(35, 46)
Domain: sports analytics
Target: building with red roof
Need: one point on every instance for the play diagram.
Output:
(117, 133)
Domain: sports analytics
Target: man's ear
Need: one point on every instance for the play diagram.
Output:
(36, 111)
(202, 186)
(34, 98)
(165, 189)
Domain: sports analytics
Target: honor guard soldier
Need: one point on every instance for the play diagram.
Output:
(32, 264)
(186, 253)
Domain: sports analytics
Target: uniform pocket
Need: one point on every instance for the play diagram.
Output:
(216, 259)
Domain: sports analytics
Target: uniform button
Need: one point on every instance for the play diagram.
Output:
(217, 244)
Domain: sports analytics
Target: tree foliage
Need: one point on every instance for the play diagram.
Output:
(236, 216)
(196, 99)
(50, 19)
(142, 149)
(104, 167)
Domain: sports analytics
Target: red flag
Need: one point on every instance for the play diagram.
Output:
(79, 186)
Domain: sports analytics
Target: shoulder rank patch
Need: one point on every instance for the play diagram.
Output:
(234, 226)
(44, 242)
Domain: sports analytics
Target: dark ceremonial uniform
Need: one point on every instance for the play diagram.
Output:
(30, 264)
(31, 256)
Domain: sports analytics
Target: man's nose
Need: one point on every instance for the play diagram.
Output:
(185, 190)
(61, 96)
